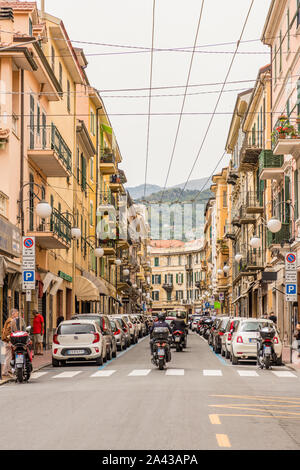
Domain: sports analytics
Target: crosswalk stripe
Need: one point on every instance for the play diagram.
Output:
(283, 373)
(247, 373)
(139, 372)
(103, 373)
(175, 372)
(67, 375)
(37, 375)
(212, 372)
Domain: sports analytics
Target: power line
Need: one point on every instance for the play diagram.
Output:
(184, 98)
(150, 92)
(219, 97)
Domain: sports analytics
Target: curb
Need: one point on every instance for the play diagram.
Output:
(13, 379)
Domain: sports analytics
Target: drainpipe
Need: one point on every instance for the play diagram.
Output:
(22, 153)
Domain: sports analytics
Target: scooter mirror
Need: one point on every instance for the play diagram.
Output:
(28, 328)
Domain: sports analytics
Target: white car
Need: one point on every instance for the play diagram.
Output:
(244, 340)
(226, 338)
(195, 323)
(77, 340)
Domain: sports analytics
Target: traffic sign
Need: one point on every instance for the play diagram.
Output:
(291, 276)
(28, 277)
(291, 292)
(291, 261)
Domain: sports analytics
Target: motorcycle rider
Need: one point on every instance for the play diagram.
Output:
(179, 324)
(160, 323)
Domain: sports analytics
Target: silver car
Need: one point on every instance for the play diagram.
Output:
(132, 327)
(119, 334)
(125, 328)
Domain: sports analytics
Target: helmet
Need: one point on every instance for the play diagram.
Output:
(161, 317)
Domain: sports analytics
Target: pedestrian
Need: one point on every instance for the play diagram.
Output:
(265, 316)
(9, 327)
(273, 317)
(59, 320)
(297, 337)
(38, 332)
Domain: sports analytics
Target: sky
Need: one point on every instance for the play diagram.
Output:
(129, 23)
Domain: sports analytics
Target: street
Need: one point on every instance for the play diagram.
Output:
(199, 402)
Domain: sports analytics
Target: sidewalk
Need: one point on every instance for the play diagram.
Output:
(286, 357)
(38, 362)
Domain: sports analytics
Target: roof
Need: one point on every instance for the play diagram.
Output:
(166, 243)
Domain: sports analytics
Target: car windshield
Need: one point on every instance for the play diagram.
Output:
(91, 317)
(75, 329)
(254, 325)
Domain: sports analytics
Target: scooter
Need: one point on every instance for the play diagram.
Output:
(265, 347)
(161, 353)
(179, 340)
(21, 362)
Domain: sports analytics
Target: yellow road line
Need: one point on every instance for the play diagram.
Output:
(265, 405)
(284, 399)
(223, 440)
(214, 419)
(258, 416)
(252, 408)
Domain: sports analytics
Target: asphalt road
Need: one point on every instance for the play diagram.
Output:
(200, 402)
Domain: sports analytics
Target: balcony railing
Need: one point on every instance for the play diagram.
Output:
(254, 202)
(270, 165)
(286, 136)
(254, 259)
(49, 138)
(283, 236)
(252, 146)
(53, 233)
(107, 156)
(106, 198)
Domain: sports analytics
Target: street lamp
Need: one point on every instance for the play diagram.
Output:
(75, 231)
(43, 209)
(226, 269)
(255, 242)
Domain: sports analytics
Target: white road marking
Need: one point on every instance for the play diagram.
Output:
(175, 372)
(67, 375)
(103, 373)
(284, 374)
(139, 372)
(247, 373)
(212, 372)
(37, 375)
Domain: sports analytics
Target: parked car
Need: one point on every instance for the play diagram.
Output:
(218, 332)
(119, 334)
(104, 323)
(138, 324)
(194, 323)
(143, 323)
(226, 338)
(131, 322)
(125, 327)
(243, 342)
(79, 340)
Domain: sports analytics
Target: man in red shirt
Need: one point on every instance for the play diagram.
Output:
(38, 332)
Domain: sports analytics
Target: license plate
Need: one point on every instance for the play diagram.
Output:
(19, 359)
(252, 340)
(177, 339)
(76, 351)
(161, 352)
(268, 350)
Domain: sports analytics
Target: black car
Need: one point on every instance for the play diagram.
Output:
(217, 332)
(105, 325)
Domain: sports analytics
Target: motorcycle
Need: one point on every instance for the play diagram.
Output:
(21, 362)
(206, 328)
(161, 353)
(265, 347)
(179, 340)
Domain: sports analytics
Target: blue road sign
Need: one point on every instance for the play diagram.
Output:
(207, 304)
(291, 289)
(29, 276)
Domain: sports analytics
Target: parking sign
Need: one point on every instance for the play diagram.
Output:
(28, 279)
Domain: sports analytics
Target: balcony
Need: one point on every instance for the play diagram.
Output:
(49, 152)
(251, 148)
(286, 137)
(115, 184)
(108, 246)
(283, 236)
(54, 234)
(245, 217)
(168, 286)
(254, 260)
(254, 205)
(270, 165)
(107, 162)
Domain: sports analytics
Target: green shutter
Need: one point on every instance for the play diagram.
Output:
(287, 197)
(296, 194)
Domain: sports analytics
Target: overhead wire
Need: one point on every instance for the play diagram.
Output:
(219, 98)
(184, 98)
(149, 102)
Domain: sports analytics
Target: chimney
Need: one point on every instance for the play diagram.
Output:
(6, 25)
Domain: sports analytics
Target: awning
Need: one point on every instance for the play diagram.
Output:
(56, 286)
(47, 280)
(13, 266)
(85, 290)
(99, 283)
(106, 129)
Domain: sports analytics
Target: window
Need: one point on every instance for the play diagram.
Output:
(52, 58)
(91, 213)
(156, 279)
(224, 204)
(155, 295)
(68, 96)
(92, 168)
(156, 261)
(60, 74)
(298, 13)
(275, 63)
(288, 29)
(38, 119)
(30, 27)
(3, 204)
(280, 51)
(92, 123)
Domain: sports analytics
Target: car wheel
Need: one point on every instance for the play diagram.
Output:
(99, 361)
(114, 353)
(235, 360)
(227, 354)
(55, 362)
(109, 355)
(222, 352)
(279, 361)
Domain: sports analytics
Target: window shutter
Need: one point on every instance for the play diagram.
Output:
(287, 197)
(296, 193)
